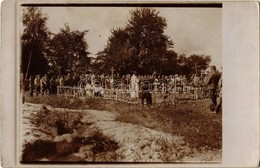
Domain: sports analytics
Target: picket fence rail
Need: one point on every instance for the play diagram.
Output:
(132, 97)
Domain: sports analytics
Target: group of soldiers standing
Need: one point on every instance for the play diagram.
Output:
(46, 84)
(208, 83)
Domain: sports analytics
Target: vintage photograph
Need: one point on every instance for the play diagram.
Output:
(134, 83)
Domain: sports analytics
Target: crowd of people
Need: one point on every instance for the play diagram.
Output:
(207, 83)
(48, 84)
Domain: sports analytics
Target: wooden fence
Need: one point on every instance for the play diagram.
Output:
(124, 95)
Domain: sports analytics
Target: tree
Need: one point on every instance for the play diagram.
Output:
(192, 64)
(116, 53)
(33, 40)
(141, 46)
(169, 63)
(67, 52)
(146, 32)
(198, 61)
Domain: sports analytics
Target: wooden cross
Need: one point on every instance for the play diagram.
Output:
(196, 67)
(112, 72)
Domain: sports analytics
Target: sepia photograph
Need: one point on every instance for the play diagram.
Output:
(120, 83)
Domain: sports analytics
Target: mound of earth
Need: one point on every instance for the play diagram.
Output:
(97, 136)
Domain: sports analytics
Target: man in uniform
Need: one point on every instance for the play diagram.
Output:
(37, 83)
(219, 104)
(145, 92)
(43, 82)
(52, 85)
(212, 87)
(31, 83)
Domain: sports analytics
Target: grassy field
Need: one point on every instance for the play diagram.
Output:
(191, 119)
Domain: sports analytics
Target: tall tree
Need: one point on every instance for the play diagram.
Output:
(169, 63)
(34, 39)
(146, 31)
(67, 52)
(116, 53)
(141, 46)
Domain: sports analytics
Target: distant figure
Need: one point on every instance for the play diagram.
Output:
(52, 85)
(212, 87)
(195, 83)
(31, 85)
(43, 84)
(134, 88)
(92, 79)
(219, 104)
(37, 83)
(98, 91)
(145, 92)
(196, 80)
(61, 81)
(57, 83)
(156, 83)
(89, 89)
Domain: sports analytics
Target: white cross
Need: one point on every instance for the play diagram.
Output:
(112, 72)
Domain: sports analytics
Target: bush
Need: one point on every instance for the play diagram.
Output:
(57, 150)
(38, 149)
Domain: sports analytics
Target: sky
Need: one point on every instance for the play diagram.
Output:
(193, 30)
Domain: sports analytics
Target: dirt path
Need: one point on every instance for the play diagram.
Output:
(30, 128)
(137, 143)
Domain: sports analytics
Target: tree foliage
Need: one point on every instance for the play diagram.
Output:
(141, 46)
(117, 53)
(67, 52)
(34, 37)
(192, 64)
(146, 31)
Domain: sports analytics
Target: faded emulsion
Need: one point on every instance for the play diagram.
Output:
(121, 83)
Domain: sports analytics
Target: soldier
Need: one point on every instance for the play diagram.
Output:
(60, 89)
(26, 84)
(52, 85)
(92, 78)
(61, 81)
(196, 85)
(178, 83)
(156, 83)
(31, 85)
(37, 83)
(212, 84)
(145, 92)
(219, 105)
(43, 82)
(67, 80)
(47, 87)
(57, 83)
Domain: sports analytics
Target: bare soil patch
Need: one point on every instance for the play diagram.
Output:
(101, 136)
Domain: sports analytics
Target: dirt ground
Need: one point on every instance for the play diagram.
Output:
(136, 143)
